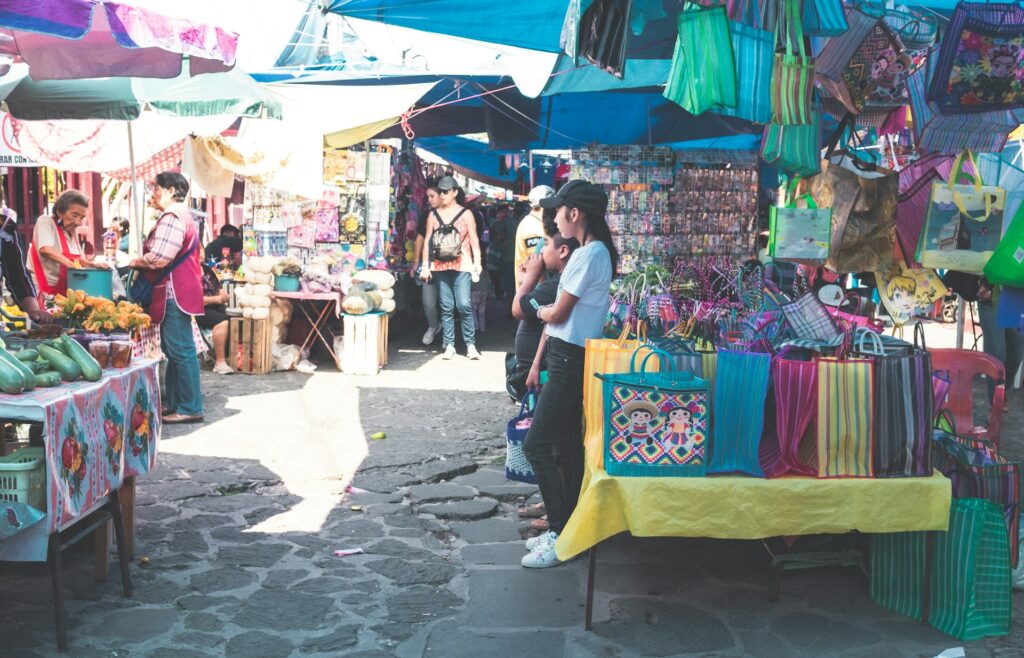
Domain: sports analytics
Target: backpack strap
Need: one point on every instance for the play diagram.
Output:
(451, 223)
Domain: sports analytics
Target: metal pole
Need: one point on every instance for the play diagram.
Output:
(961, 309)
(135, 245)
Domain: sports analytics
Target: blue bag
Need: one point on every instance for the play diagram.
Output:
(517, 466)
(657, 422)
(741, 393)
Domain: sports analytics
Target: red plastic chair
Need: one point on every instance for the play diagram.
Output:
(962, 366)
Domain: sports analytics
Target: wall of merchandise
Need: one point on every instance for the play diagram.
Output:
(349, 223)
(665, 205)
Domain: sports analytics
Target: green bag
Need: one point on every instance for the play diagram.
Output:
(1006, 266)
(799, 234)
(703, 73)
(795, 149)
(793, 71)
(970, 572)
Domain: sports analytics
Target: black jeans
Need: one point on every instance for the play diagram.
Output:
(554, 444)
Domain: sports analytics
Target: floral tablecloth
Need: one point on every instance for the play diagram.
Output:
(96, 434)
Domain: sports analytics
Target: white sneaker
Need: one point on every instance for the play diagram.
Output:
(472, 353)
(430, 335)
(543, 557)
(533, 543)
(449, 353)
(223, 369)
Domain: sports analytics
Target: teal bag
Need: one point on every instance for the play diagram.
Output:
(703, 73)
(657, 423)
(795, 149)
(754, 54)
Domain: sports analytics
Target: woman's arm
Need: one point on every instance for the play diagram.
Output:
(425, 259)
(474, 243)
(533, 268)
(558, 312)
(55, 255)
(417, 252)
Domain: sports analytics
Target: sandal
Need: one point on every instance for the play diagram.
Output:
(541, 523)
(534, 511)
(180, 419)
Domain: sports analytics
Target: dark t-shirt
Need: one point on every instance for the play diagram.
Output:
(232, 242)
(530, 328)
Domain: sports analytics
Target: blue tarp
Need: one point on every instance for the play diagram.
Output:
(534, 24)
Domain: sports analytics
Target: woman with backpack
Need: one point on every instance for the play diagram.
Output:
(554, 444)
(452, 248)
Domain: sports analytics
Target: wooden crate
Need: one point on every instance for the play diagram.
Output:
(364, 348)
(249, 346)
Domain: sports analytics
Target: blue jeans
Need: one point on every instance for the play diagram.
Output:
(1005, 344)
(429, 298)
(454, 289)
(181, 392)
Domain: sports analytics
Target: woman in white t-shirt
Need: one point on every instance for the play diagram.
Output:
(55, 248)
(554, 444)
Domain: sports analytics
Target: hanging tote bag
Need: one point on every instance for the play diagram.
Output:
(793, 71)
(963, 223)
(741, 392)
(657, 423)
(794, 149)
(846, 415)
(795, 387)
(981, 60)
(799, 234)
(938, 132)
(824, 18)
(863, 201)
(903, 412)
(753, 50)
(865, 58)
(1006, 266)
(703, 73)
(912, 207)
(517, 466)
(970, 593)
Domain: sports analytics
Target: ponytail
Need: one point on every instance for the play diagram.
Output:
(598, 227)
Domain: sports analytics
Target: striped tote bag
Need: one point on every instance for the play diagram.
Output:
(794, 149)
(845, 418)
(754, 52)
(741, 391)
(824, 18)
(703, 73)
(792, 72)
(970, 592)
(903, 414)
(795, 388)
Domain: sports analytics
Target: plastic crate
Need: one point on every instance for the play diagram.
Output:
(23, 478)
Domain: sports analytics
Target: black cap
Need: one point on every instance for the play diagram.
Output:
(580, 194)
(447, 184)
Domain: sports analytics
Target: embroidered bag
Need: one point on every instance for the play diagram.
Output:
(866, 58)
(657, 422)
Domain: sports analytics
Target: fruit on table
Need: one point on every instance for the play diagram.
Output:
(27, 375)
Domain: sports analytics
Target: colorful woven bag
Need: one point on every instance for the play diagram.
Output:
(915, 193)
(824, 18)
(741, 392)
(846, 416)
(794, 149)
(793, 71)
(703, 73)
(657, 423)
(753, 51)
(980, 63)
(602, 356)
(795, 387)
(517, 466)
(866, 60)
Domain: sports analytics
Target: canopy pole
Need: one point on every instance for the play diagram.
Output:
(961, 307)
(136, 227)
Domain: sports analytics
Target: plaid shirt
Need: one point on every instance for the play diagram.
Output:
(164, 243)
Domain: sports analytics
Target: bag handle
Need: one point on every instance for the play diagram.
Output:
(175, 263)
(663, 357)
(919, 332)
(876, 348)
(958, 170)
(947, 416)
(529, 402)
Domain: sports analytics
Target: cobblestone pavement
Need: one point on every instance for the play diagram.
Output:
(241, 518)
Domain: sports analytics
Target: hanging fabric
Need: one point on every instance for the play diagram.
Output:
(602, 35)
(793, 71)
(703, 73)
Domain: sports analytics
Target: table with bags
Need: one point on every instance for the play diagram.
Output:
(830, 444)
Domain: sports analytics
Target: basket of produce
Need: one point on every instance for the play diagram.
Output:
(23, 477)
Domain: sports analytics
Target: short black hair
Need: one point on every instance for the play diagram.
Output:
(67, 199)
(228, 229)
(123, 223)
(173, 181)
(550, 227)
(559, 242)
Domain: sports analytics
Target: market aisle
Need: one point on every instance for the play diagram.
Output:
(241, 519)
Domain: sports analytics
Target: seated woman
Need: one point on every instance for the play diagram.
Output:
(215, 319)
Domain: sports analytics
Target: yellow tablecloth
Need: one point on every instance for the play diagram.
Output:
(733, 507)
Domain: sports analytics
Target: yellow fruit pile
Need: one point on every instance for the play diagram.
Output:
(99, 314)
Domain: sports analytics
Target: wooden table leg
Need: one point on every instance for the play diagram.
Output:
(588, 623)
(101, 538)
(57, 576)
(127, 499)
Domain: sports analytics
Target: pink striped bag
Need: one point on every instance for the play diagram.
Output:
(915, 193)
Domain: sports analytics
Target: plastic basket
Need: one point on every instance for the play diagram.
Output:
(23, 478)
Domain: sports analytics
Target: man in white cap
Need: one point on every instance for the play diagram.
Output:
(530, 233)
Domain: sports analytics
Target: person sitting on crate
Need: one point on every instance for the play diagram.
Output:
(215, 319)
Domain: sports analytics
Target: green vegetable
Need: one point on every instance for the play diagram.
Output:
(11, 380)
(47, 379)
(68, 369)
(90, 366)
(27, 355)
(27, 376)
